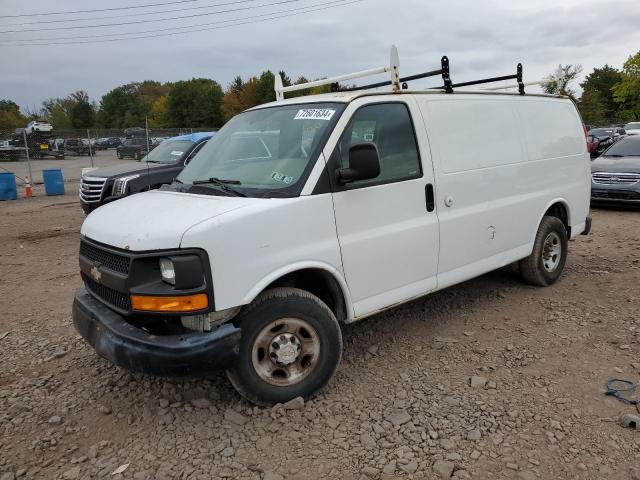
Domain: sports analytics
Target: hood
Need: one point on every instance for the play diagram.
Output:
(155, 220)
(633, 131)
(616, 164)
(127, 168)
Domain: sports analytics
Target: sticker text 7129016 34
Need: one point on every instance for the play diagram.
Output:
(314, 114)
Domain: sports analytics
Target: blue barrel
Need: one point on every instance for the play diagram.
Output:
(53, 181)
(8, 190)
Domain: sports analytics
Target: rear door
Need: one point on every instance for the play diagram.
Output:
(387, 230)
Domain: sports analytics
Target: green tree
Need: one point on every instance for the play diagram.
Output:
(122, 107)
(592, 107)
(265, 87)
(626, 93)
(82, 115)
(128, 105)
(602, 80)
(196, 103)
(558, 83)
(10, 116)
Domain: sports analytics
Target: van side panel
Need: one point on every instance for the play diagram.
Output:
(499, 161)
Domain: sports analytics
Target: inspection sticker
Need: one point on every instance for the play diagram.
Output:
(279, 177)
(314, 114)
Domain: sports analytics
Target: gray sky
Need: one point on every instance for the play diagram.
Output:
(481, 38)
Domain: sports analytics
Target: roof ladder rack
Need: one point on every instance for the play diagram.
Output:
(517, 76)
(393, 67)
(400, 83)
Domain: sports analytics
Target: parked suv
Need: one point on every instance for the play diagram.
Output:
(308, 213)
(37, 126)
(160, 166)
(135, 147)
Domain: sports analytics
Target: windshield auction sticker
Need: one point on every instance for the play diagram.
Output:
(314, 114)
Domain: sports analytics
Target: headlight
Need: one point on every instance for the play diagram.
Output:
(120, 185)
(167, 271)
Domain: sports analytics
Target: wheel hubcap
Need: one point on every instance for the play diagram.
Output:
(551, 252)
(285, 351)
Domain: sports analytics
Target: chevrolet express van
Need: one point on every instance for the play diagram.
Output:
(312, 212)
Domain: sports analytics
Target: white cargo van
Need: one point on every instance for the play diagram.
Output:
(311, 212)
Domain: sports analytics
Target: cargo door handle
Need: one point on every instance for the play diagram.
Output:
(431, 202)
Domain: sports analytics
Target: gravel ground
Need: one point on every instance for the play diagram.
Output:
(488, 379)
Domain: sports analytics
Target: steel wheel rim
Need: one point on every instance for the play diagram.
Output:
(551, 252)
(285, 351)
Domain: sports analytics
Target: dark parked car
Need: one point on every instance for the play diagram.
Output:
(79, 146)
(111, 142)
(160, 166)
(606, 137)
(615, 175)
(133, 147)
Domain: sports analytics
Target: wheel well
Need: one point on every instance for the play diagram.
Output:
(559, 210)
(319, 283)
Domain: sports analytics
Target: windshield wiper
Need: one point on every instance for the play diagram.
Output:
(223, 184)
(615, 155)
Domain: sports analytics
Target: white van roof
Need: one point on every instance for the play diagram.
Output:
(349, 96)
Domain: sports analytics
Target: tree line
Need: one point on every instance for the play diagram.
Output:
(199, 102)
(608, 96)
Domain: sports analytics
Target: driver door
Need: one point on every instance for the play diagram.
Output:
(387, 228)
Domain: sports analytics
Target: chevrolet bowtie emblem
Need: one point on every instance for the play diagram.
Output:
(95, 273)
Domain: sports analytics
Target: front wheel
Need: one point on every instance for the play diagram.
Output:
(291, 346)
(545, 264)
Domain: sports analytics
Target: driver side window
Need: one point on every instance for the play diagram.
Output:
(389, 127)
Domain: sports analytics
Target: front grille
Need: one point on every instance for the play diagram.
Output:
(615, 194)
(109, 295)
(110, 260)
(91, 189)
(605, 178)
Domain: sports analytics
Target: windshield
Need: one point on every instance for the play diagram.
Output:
(169, 152)
(270, 150)
(627, 147)
(632, 126)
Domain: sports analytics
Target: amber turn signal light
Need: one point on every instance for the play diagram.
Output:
(182, 303)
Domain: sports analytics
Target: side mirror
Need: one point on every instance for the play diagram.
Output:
(364, 163)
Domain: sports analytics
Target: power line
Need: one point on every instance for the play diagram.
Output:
(139, 32)
(71, 12)
(127, 15)
(137, 22)
(329, 5)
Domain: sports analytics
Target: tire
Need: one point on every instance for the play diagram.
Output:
(268, 324)
(545, 264)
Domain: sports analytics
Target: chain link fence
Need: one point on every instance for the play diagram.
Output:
(15, 144)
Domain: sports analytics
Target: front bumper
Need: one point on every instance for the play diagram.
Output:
(132, 348)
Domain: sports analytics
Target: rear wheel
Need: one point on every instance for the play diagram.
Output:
(291, 346)
(545, 264)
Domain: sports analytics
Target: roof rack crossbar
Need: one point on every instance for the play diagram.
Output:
(517, 76)
(393, 67)
(444, 71)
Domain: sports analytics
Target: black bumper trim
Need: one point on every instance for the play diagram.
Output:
(131, 348)
(587, 226)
